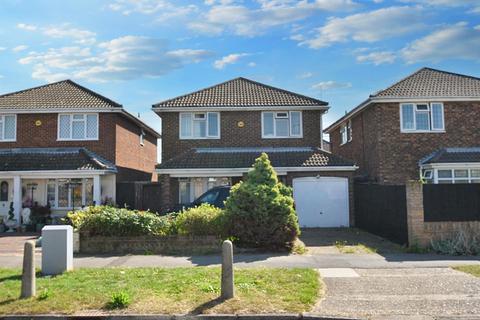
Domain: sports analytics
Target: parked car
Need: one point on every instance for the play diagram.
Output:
(215, 196)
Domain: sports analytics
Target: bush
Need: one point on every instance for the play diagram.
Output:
(201, 221)
(260, 210)
(110, 221)
(119, 300)
(462, 243)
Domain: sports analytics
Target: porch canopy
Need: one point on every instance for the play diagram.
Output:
(58, 168)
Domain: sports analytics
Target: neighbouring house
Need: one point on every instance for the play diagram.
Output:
(424, 126)
(64, 145)
(212, 136)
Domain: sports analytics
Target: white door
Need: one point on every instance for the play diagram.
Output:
(321, 202)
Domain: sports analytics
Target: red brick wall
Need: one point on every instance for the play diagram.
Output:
(135, 162)
(391, 157)
(233, 136)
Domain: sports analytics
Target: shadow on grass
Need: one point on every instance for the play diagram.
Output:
(12, 278)
(208, 305)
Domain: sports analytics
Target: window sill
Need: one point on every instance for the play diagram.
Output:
(295, 137)
(8, 140)
(207, 138)
(422, 131)
(93, 139)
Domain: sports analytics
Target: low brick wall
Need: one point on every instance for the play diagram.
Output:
(421, 232)
(150, 245)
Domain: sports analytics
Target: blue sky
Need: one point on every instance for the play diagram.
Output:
(141, 52)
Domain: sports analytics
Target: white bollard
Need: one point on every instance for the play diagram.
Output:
(28, 272)
(57, 249)
(227, 270)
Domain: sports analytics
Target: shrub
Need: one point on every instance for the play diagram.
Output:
(119, 300)
(260, 210)
(200, 221)
(462, 243)
(110, 221)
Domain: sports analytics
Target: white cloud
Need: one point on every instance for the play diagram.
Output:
(252, 64)
(305, 75)
(377, 58)
(28, 27)
(457, 41)
(20, 48)
(162, 10)
(123, 58)
(227, 16)
(327, 85)
(368, 27)
(446, 3)
(229, 59)
(64, 31)
(3, 49)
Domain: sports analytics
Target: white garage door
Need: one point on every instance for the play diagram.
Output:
(321, 201)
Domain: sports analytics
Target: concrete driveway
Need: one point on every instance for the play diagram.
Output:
(420, 293)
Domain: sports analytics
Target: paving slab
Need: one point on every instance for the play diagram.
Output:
(414, 293)
(338, 273)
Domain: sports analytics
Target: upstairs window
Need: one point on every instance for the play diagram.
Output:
(421, 117)
(200, 125)
(346, 132)
(8, 128)
(78, 126)
(285, 124)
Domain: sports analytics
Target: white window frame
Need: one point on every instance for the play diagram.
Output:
(2, 120)
(56, 183)
(71, 126)
(430, 118)
(206, 187)
(346, 132)
(142, 138)
(289, 117)
(192, 119)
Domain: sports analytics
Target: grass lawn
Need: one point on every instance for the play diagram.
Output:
(475, 270)
(163, 290)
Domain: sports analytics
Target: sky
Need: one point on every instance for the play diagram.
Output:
(140, 52)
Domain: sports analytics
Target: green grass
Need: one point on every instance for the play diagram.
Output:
(474, 269)
(345, 247)
(163, 290)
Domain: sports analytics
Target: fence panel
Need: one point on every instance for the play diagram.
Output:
(151, 196)
(139, 195)
(382, 210)
(126, 194)
(451, 202)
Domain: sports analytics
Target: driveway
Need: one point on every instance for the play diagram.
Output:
(11, 244)
(378, 293)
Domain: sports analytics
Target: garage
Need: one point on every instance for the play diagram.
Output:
(321, 202)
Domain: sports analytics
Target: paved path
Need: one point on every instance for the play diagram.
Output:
(421, 293)
(12, 243)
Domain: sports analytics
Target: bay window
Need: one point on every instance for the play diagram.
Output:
(284, 124)
(200, 125)
(192, 188)
(69, 193)
(8, 128)
(422, 117)
(451, 175)
(78, 126)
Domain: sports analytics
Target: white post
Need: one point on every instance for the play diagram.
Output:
(17, 197)
(97, 190)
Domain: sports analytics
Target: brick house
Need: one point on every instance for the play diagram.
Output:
(212, 136)
(65, 145)
(422, 126)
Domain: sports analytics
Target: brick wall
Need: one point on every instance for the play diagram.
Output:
(233, 136)
(391, 157)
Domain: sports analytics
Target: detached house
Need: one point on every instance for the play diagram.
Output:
(212, 136)
(64, 145)
(424, 126)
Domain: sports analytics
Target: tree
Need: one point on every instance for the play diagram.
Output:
(260, 209)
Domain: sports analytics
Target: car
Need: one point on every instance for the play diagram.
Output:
(215, 196)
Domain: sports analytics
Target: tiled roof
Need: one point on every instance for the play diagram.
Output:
(203, 158)
(428, 82)
(38, 159)
(453, 155)
(240, 92)
(63, 95)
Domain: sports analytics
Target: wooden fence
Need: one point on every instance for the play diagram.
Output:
(139, 195)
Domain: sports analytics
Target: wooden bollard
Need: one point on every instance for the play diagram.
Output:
(227, 270)
(28, 272)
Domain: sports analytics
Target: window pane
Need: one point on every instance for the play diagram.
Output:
(282, 127)
(407, 116)
(295, 123)
(475, 180)
(92, 126)
(186, 125)
(88, 192)
(423, 121)
(445, 181)
(9, 127)
(213, 124)
(475, 173)
(268, 124)
(437, 116)
(461, 173)
(78, 130)
(343, 134)
(184, 187)
(78, 117)
(51, 194)
(63, 194)
(1, 131)
(76, 198)
(199, 129)
(444, 173)
(64, 127)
